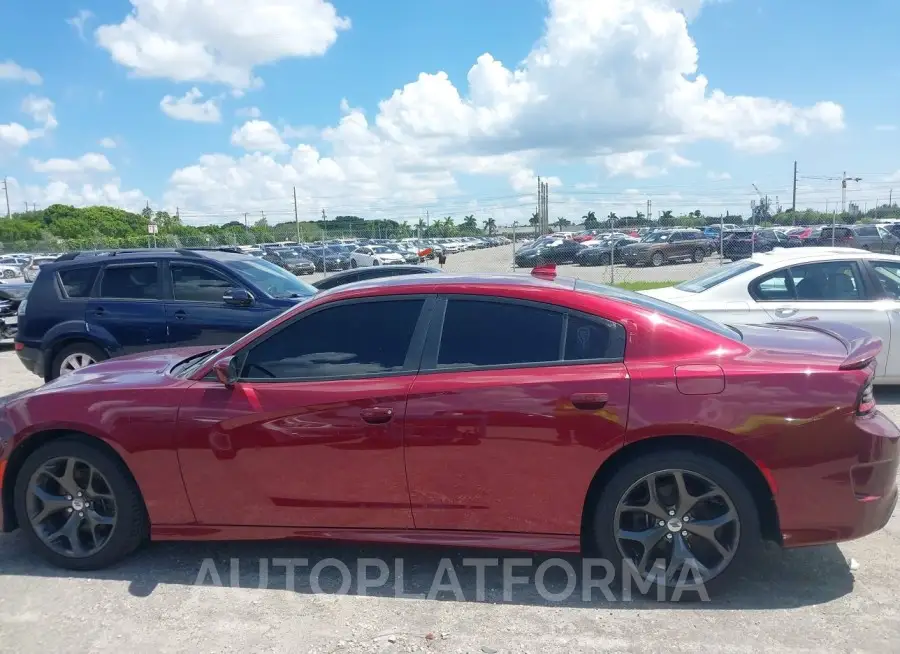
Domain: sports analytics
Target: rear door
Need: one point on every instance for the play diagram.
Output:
(886, 276)
(196, 313)
(504, 434)
(831, 290)
(129, 307)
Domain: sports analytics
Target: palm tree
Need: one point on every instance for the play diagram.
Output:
(612, 218)
(590, 220)
(535, 219)
(420, 227)
(490, 225)
(469, 223)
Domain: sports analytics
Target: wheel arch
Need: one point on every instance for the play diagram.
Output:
(31, 444)
(748, 471)
(65, 341)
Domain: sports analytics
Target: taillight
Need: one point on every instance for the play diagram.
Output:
(22, 304)
(866, 402)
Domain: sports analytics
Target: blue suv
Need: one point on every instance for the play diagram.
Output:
(87, 307)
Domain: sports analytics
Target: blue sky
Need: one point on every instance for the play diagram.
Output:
(342, 100)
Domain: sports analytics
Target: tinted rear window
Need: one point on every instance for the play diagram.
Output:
(78, 282)
(659, 306)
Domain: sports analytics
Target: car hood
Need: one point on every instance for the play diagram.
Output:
(145, 370)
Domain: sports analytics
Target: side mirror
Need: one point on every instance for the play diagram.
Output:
(226, 371)
(239, 297)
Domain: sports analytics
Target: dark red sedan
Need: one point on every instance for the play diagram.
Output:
(522, 412)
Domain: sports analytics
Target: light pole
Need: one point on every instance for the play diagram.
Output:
(844, 180)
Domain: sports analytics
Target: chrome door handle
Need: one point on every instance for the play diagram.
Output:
(785, 313)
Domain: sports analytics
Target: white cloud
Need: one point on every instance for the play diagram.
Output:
(79, 20)
(258, 135)
(186, 40)
(41, 110)
(682, 162)
(189, 107)
(718, 177)
(108, 143)
(14, 136)
(109, 193)
(633, 164)
(11, 71)
(613, 83)
(248, 112)
(87, 163)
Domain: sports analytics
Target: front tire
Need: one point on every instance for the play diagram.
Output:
(75, 357)
(674, 506)
(353, 263)
(897, 250)
(86, 531)
(698, 255)
(657, 259)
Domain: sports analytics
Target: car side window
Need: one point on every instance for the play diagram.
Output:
(590, 339)
(773, 287)
(866, 230)
(888, 274)
(198, 284)
(830, 281)
(358, 339)
(531, 334)
(78, 282)
(131, 282)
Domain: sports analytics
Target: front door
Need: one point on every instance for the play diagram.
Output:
(831, 291)
(312, 434)
(129, 309)
(491, 424)
(197, 314)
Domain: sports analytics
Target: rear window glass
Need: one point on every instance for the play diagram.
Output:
(716, 276)
(659, 306)
(77, 282)
(138, 282)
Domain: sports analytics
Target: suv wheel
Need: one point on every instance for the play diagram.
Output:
(75, 357)
(657, 259)
(698, 255)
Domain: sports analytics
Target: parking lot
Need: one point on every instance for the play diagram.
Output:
(803, 600)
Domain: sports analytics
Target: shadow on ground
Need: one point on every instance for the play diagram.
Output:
(777, 580)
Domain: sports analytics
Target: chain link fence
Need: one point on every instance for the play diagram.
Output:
(509, 249)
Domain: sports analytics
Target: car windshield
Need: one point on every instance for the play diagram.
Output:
(286, 254)
(656, 237)
(381, 249)
(274, 280)
(659, 306)
(716, 277)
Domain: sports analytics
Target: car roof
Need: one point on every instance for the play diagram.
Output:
(449, 282)
(156, 253)
(780, 255)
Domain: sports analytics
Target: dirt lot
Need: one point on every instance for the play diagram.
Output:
(807, 600)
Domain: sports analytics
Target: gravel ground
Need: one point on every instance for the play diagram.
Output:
(837, 599)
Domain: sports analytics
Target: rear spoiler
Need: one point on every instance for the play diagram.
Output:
(862, 347)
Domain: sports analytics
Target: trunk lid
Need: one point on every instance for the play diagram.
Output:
(815, 341)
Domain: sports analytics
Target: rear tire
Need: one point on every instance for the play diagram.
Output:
(698, 256)
(744, 530)
(131, 525)
(62, 362)
(605, 260)
(657, 259)
(353, 263)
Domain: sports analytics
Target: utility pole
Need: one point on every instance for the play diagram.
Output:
(539, 228)
(794, 202)
(296, 215)
(6, 191)
(246, 224)
(844, 180)
(649, 208)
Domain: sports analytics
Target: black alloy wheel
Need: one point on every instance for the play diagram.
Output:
(78, 505)
(680, 518)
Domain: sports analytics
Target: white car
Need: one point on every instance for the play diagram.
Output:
(831, 284)
(9, 271)
(374, 255)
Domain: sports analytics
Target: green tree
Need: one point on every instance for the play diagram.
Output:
(470, 224)
(612, 218)
(590, 220)
(490, 225)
